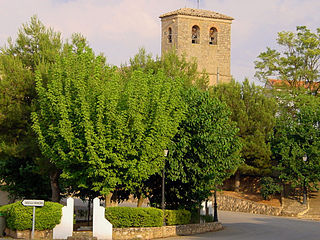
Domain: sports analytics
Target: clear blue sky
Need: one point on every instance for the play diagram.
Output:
(118, 28)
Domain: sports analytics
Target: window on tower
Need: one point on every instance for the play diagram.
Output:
(169, 35)
(213, 36)
(195, 35)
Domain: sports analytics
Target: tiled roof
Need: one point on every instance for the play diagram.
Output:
(197, 13)
(277, 83)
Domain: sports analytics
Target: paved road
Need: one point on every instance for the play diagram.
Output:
(243, 226)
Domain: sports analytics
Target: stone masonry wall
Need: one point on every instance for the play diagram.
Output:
(134, 233)
(26, 234)
(163, 232)
(228, 203)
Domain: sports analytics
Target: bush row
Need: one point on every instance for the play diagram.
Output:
(19, 217)
(123, 217)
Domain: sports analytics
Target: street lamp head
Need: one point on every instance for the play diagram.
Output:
(305, 158)
(165, 152)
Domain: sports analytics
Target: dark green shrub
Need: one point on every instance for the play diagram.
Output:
(19, 217)
(269, 187)
(5, 208)
(195, 216)
(123, 217)
(177, 217)
(206, 218)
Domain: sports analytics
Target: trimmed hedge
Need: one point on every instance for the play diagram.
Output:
(19, 217)
(177, 217)
(124, 217)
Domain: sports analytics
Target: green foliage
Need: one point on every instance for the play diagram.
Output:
(69, 125)
(124, 217)
(297, 135)
(297, 62)
(254, 112)
(177, 217)
(202, 154)
(19, 217)
(103, 128)
(20, 157)
(269, 187)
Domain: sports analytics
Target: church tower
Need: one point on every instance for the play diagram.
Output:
(200, 34)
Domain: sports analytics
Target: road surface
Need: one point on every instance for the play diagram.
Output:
(244, 226)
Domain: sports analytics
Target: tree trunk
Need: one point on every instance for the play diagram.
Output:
(140, 201)
(108, 199)
(207, 208)
(237, 182)
(89, 213)
(114, 199)
(282, 194)
(54, 182)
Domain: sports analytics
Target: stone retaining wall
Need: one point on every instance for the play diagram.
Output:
(163, 232)
(26, 234)
(228, 203)
(133, 233)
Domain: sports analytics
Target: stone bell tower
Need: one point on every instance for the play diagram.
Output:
(200, 34)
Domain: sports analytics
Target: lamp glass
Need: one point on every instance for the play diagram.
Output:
(165, 152)
(305, 158)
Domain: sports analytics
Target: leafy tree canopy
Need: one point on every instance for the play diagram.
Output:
(105, 129)
(297, 135)
(296, 63)
(202, 154)
(19, 154)
(254, 112)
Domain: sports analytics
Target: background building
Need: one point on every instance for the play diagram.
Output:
(200, 34)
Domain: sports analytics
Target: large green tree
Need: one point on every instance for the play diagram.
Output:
(105, 130)
(202, 154)
(22, 168)
(254, 112)
(296, 141)
(296, 63)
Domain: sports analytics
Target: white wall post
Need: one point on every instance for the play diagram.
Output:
(203, 208)
(209, 204)
(102, 228)
(65, 228)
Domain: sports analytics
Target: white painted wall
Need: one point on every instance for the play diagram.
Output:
(102, 228)
(203, 208)
(65, 228)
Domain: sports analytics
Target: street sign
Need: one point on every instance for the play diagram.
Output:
(33, 203)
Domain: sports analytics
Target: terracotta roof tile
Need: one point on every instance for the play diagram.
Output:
(283, 83)
(197, 13)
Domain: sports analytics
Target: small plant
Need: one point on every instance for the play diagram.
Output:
(269, 187)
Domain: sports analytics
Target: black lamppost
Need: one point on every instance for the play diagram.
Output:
(304, 158)
(165, 154)
(215, 207)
